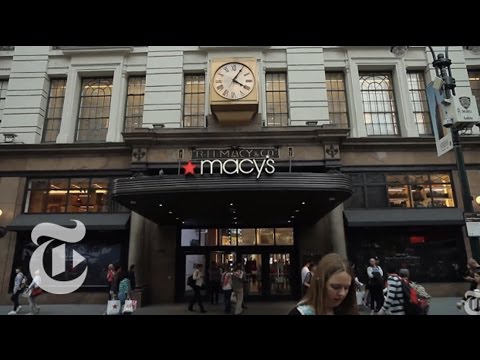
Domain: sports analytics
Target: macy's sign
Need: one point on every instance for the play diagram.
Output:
(233, 166)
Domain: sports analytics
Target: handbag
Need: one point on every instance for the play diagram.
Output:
(127, 307)
(233, 298)
(36, 291)
(113, 307)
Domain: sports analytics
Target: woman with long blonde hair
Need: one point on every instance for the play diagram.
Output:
(331, 291)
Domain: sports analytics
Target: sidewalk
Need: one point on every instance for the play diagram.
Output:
(439, 306)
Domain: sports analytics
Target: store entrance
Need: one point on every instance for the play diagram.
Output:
(268, 271)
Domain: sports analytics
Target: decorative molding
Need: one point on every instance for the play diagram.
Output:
(73, 50)
(138, 154)
(332, 151)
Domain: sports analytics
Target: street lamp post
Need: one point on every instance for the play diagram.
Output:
(442, 63)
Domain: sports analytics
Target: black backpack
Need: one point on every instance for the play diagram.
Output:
(190, 281)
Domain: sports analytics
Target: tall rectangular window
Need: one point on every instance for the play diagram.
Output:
(416, 86)
(3, 95)
(277, 101)
(194, 100)
(337, 99)
(379, 108)
(474, 77)
(135, 99)
(94, 113)
(53, 119)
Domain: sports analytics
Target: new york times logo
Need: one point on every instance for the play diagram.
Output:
(64, 234)
(472, 302)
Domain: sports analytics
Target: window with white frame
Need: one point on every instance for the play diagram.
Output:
(416, 87)
(194, 100)
(277, 101)
(337, 99)
(94, 113)
(3, 95)
(135, 100)
(379, 108)
(474, 78)
(53, 119)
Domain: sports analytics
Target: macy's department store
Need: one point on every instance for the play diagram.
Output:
(166, 203)
(169, 199)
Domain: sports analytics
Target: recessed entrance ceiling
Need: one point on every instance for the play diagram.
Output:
(281, 199)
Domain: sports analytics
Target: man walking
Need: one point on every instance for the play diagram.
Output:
(18, 287)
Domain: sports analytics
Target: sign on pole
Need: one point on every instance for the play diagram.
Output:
(437, 113)
(472, 222)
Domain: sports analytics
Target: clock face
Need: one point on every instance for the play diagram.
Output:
(233, 81)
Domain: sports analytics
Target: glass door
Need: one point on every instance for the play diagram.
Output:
(279, 274)
(252, 265)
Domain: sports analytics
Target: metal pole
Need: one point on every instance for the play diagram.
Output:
(466, 196)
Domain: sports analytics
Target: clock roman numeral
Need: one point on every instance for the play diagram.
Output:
(234, 67)
(225, 93)
(246, 74)
(233, 95)
(220, 87)
(248, 80)
(247, 87)
(226, 69)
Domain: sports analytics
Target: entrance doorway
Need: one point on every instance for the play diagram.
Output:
(268, 273)
(267, 256)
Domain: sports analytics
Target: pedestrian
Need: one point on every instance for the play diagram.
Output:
(376, 283)
(110, 276)
(19, 286)
(124, 290)
(308, 278)
(237, 284)
(394, 300)
(199, 278)
(35, 290)
(332, 289)
(131, 277)
(227, 289)
(215, 277)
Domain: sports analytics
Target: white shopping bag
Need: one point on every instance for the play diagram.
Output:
(113, 307)
(360, 295)
(127, 307)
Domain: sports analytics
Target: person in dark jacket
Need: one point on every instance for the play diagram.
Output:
(131, 277)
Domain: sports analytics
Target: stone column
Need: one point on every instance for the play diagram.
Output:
(136, 245)
(337, 231)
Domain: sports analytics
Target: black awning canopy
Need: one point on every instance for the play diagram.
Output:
(25, 222)
(403, 217)
(281, 199)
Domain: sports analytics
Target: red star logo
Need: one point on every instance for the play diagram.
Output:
(189, 168)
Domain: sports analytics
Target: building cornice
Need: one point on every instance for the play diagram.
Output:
(205, 136)
(75, 50)
(90, 149)
(402, 143)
